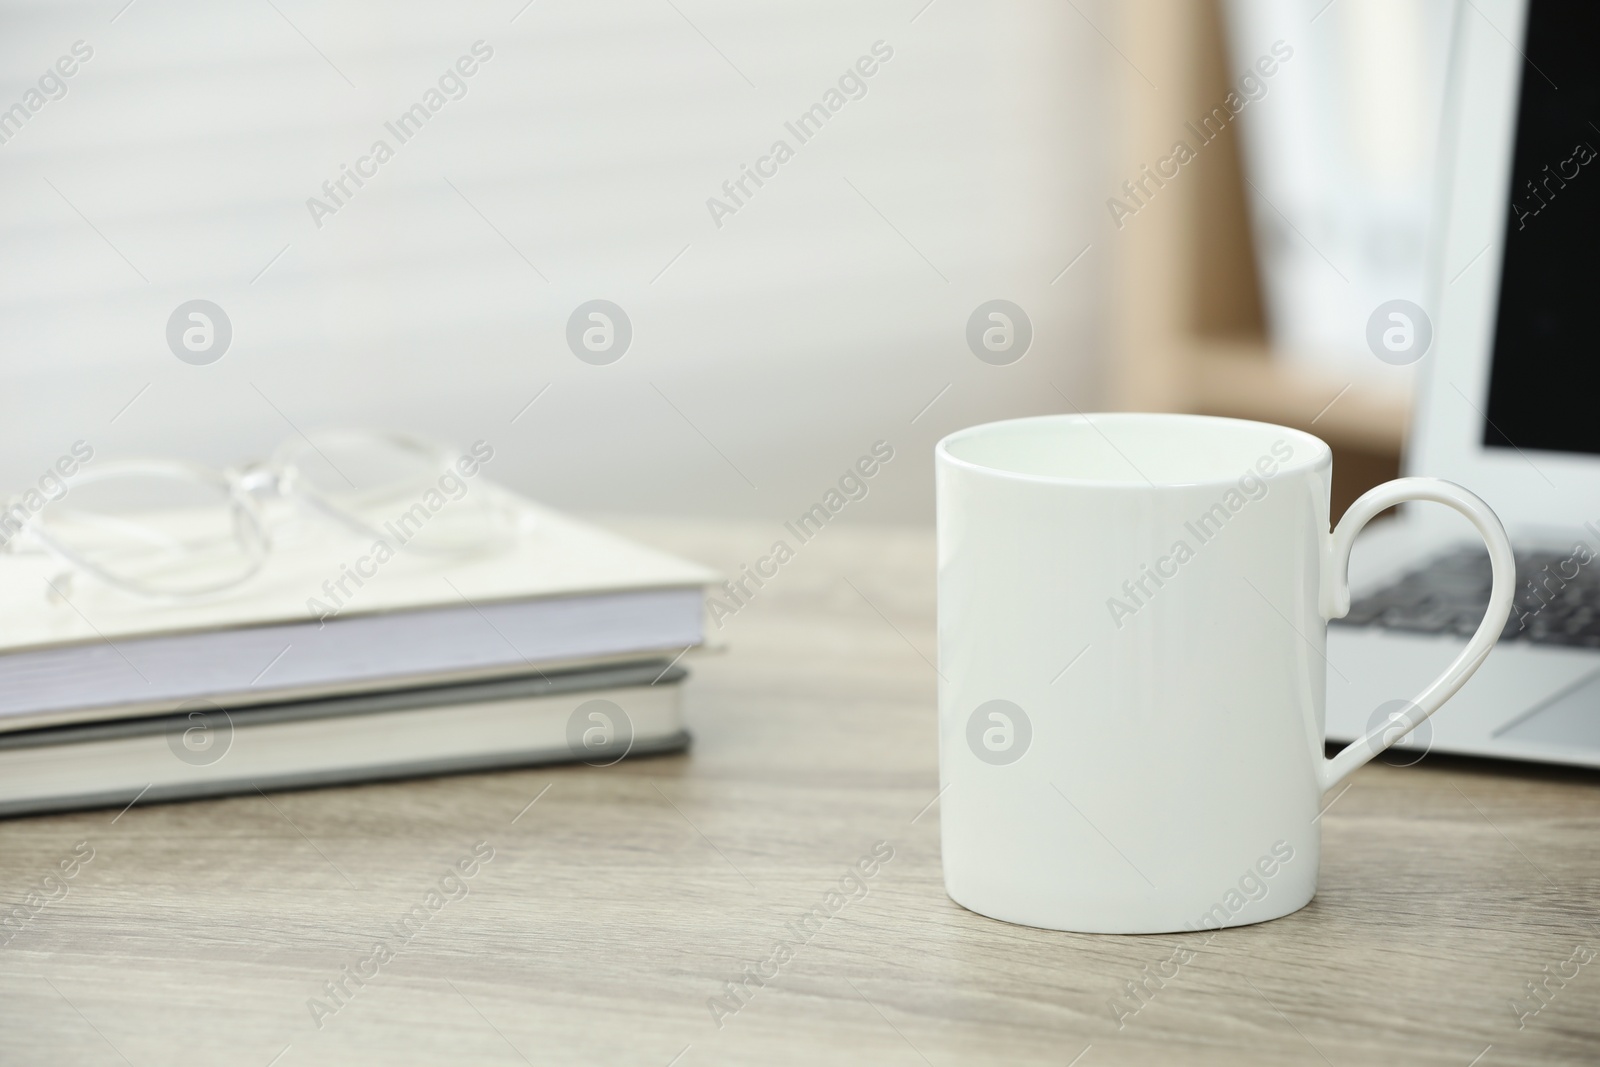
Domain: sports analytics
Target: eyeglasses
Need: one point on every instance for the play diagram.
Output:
(172, 530)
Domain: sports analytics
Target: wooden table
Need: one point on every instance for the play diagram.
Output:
(617, 907)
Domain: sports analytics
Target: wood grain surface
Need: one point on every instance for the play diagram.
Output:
(615, 909)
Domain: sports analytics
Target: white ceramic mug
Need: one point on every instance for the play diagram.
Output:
(1132, 618)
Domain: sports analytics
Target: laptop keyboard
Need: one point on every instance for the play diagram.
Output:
(1557, 600)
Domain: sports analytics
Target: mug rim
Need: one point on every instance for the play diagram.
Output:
(1320, 454)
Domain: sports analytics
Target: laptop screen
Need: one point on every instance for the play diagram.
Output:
(1541, 393)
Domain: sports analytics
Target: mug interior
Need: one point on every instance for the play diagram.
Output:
(1131, 449)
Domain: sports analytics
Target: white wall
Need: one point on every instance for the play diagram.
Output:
(792, 337)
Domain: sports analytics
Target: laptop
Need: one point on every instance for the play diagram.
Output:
(1507, 406)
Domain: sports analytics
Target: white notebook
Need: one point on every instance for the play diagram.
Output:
(565, 594)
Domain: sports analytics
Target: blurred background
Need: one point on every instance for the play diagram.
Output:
(846, 299)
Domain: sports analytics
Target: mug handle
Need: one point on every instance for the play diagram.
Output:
(1336, 604)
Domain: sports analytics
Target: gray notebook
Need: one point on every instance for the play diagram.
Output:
(208, 749)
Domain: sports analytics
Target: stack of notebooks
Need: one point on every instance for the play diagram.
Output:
(561, 646)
